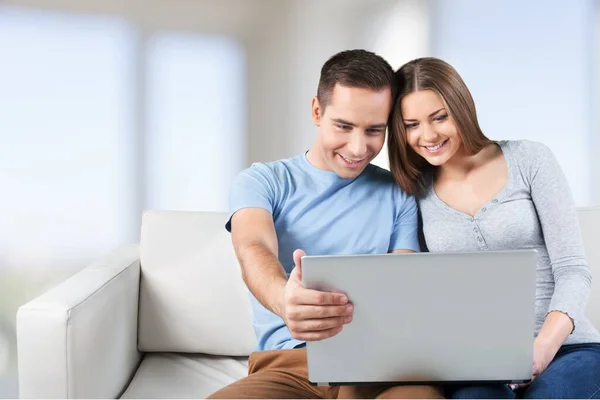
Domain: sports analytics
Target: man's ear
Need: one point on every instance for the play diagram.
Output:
(317, 111)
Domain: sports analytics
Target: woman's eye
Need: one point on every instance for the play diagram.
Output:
(410, 126)
(440, 118)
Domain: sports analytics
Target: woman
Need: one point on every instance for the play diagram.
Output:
(476, 194)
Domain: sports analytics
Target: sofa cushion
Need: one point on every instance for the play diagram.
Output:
(192, 297)
(179, 376)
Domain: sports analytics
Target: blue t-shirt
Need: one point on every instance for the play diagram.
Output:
(323, 214)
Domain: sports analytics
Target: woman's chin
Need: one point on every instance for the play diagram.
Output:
(436, 161)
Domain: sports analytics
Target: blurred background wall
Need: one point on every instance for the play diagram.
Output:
(110, 107)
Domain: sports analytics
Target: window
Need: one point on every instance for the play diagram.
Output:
(529, 81)
(66, 133)
(196, 120)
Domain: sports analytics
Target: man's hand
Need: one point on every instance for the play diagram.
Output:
(312, 315)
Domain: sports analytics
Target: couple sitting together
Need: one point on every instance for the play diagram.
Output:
(330, 200)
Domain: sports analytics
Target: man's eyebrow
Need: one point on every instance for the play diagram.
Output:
(344, 122)
(430, 115)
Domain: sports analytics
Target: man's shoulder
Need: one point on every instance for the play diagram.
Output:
(377, 174)
(380, 183)
(271, 170)
(380, 178)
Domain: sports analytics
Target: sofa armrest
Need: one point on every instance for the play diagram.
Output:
(79, 340)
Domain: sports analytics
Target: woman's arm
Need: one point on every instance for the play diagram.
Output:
(557, 214)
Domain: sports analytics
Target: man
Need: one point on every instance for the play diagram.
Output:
(329, 200)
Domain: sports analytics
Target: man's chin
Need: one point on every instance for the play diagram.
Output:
(349, 173)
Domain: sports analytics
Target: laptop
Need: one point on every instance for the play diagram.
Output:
(427, 318)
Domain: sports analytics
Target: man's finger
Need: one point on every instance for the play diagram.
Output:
(318, 335)
(296, 276)
(317, 312)
(297, 256)
(319, 298)
(321, 324)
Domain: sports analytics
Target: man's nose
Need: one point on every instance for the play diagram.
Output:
(357, 145)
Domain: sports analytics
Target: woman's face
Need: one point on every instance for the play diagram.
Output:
(431, 131)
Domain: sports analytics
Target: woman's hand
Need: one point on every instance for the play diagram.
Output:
(555, 330)
(543, 354)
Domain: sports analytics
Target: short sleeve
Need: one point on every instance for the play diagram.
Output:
(251, 188)
(405, 233)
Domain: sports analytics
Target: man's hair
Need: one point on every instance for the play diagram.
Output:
(356, 69)
(421, 74)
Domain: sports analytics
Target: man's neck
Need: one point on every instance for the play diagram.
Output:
(315, 158)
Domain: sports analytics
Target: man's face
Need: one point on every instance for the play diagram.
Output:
(351, 129)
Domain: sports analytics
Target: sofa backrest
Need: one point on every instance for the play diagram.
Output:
(193, 299)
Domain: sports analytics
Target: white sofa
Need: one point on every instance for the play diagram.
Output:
(168, 319)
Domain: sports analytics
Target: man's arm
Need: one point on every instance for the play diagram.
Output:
(405, 236)
(255, 244)
(308, 314)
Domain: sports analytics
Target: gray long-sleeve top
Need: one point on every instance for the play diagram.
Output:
(535, 210)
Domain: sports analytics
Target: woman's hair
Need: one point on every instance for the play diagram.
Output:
(434, 74)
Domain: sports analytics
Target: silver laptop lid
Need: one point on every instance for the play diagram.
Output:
(427, 317)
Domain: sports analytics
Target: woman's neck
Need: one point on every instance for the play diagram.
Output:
(462, 164)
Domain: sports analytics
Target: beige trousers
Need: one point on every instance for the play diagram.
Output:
(282, 374)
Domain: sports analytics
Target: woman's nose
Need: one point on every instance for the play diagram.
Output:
(428, 133)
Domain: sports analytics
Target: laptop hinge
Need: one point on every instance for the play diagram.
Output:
(322, 383)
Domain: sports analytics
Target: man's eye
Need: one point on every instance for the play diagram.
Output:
(344, 127)
(374, 131)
